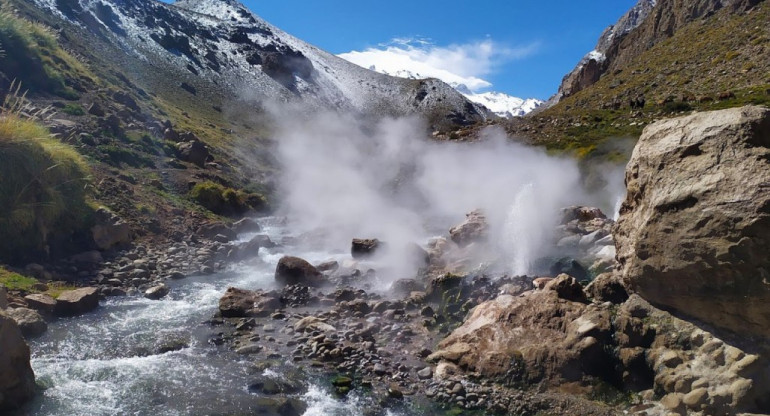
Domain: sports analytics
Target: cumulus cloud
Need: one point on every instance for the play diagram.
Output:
(460, 64)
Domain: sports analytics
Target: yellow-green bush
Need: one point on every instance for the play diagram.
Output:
(226, 201)
(42, 189)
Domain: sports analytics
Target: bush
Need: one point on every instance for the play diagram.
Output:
(42, 191)
(225, 201)
(677, 107)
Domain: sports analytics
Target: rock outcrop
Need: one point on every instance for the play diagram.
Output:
(17, 384)
(694, 230)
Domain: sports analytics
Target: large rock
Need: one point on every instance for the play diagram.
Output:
(109, 230)
(296, 271)
(364, 247)
(30, 322)
(41, 302)
(474, 228)
(77, 302)
(193, 152)
(17, 384)
(531, 338)
(241, 303)
(694, 229)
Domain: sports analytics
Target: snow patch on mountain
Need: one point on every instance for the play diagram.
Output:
(461, 66)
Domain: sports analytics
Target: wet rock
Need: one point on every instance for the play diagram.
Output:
(77, 302)
(273, 385)
(156, 292)
(474, 228)
(425, 374)
(705, 177)
(571, 267)
(3, 297)
(404, 287)
(328, 266)
(30, 322)
(246, 225)
(364, 247)
(581, 214)
(41, 302)
(17, 384)
(294, 270)
(212, 229)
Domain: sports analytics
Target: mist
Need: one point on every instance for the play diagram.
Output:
(345, 178)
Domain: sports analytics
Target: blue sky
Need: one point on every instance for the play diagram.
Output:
(522, 48)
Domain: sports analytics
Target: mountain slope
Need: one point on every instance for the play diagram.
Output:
(220, 42)
(686, 55)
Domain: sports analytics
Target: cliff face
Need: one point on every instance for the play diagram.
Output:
(648, 23)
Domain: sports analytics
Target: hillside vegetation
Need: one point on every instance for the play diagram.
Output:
(43, 189)
(717, 62)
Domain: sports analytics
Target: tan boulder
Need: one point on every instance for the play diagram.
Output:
(694, 230)
(77, 302)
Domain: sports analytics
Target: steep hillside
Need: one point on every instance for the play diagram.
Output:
(169, 103)
(718, 60)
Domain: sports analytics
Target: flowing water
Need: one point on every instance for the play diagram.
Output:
(106, 362)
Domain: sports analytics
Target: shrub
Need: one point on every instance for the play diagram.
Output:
(222, 200)
(43, 188)
(73, 110)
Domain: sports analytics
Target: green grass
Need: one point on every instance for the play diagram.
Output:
(226, 201)
(33, 56)
(15, 281)
(73, 109)
(43, 189)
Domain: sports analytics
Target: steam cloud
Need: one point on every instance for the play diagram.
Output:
(346, 178)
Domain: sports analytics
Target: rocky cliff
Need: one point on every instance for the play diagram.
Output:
(648, 23)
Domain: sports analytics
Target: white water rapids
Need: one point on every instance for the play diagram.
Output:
(97, 364)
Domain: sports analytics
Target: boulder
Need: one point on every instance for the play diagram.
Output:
(694, 230)
(194, 152)
(246, 225)
(530, 338)
(566, 287)
(30, 322)
(41, 302)
(241, 303)
(364, 247)
(212, 229)
(77, 302)
(109, 230)
(17, 384)
(474, 228)
(607, 287)
(156, 292)
(296, 271)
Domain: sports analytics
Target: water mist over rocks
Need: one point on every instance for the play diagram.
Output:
(344, 178)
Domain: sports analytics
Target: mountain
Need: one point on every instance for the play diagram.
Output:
(501, 104)
(221, 47)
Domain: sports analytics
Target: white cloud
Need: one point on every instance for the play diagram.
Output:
(466, 64)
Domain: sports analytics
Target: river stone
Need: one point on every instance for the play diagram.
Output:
(364, 247)
(296, 271)
(30, 322)
(17, 384)
(156, 292)
(77, 302)
(694, 230)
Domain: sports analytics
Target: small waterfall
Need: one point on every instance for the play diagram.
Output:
(521, 231)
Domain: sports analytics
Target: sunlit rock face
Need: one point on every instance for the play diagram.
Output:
(694, 230)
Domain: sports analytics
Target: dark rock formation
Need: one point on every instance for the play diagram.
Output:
(77, 302)
(296, 271)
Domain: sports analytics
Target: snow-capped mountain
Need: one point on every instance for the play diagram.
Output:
(219, 48)
(501, 104)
